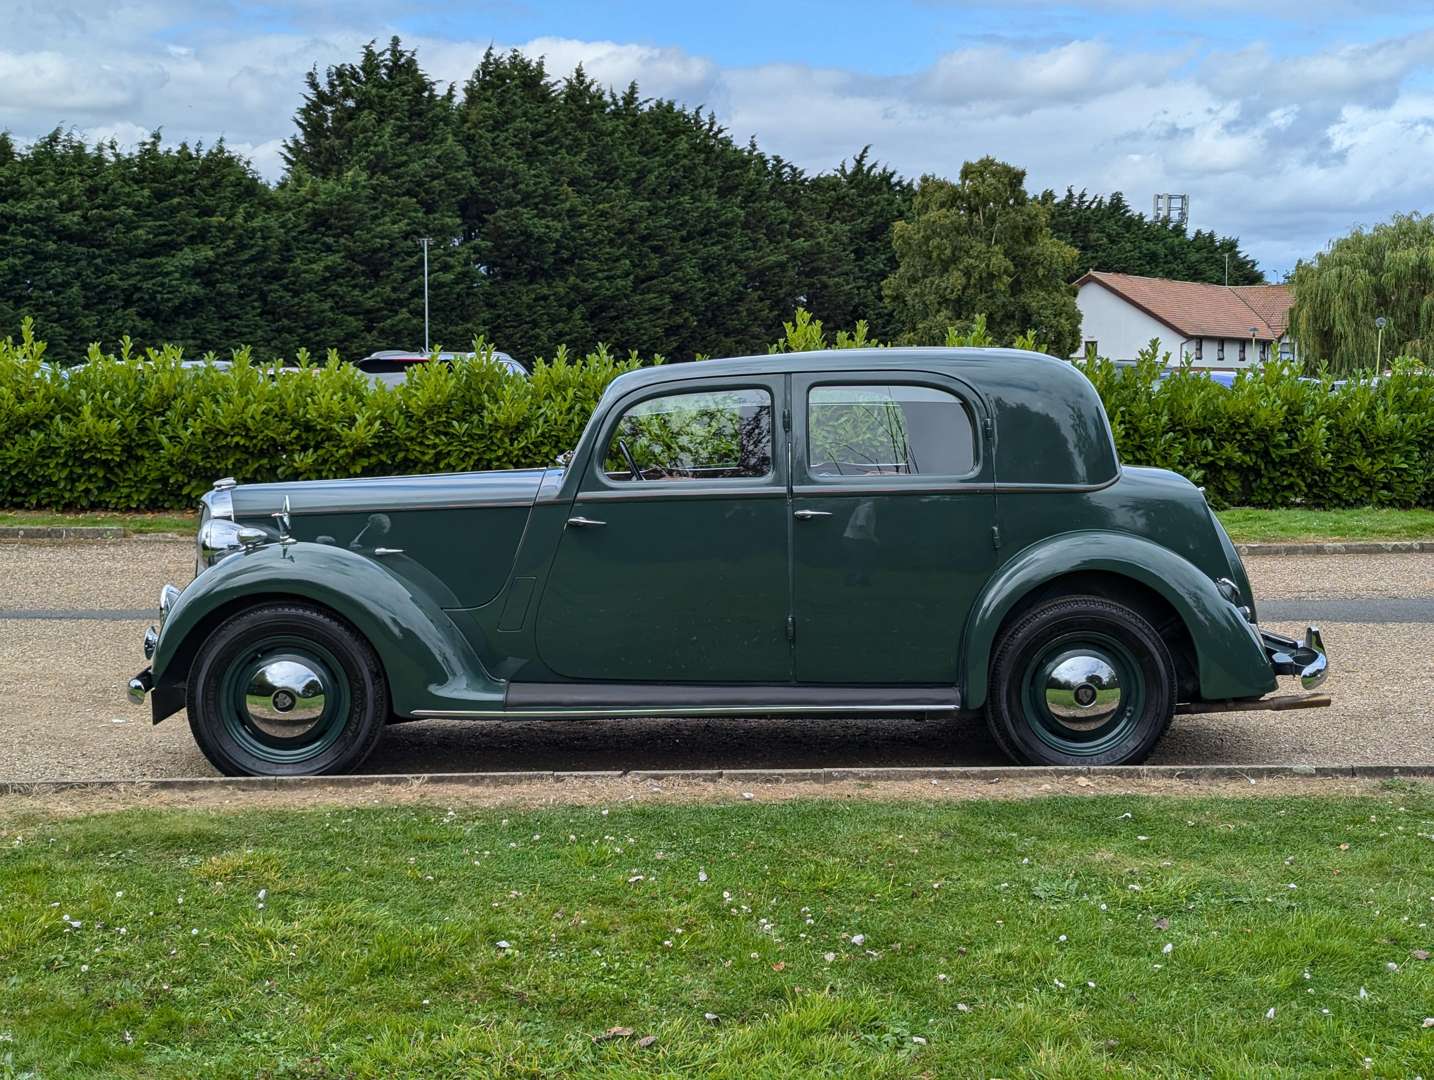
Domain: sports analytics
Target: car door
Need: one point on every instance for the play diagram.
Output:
(894, 508)
(673, 564)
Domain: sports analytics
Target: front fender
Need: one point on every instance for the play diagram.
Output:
(1229, 657)
(428, 662)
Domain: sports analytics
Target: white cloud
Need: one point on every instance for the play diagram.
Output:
(1283, 150)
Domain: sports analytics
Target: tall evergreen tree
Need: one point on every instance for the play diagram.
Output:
(981, 246)
(1110, 235)
(850, 213)
(375, 166)
(599, 217)
(161, 244)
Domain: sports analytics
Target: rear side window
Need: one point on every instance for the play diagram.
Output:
(710, 435)
(891, 429)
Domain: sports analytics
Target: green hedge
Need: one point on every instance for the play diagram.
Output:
(129, 432)
(1274, 439)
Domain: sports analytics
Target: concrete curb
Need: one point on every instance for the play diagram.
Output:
(62, 532)
(1193, 774)
(1351, 547)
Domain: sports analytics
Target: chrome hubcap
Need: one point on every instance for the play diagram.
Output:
(284, 698)
(1083, 692)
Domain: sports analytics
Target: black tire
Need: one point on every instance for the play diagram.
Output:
(1080, 680)
(286, 689)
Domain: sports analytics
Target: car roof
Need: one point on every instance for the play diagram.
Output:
(1012, 360)
(1056, 431)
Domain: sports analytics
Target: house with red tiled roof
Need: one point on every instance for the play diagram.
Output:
(1217, 326)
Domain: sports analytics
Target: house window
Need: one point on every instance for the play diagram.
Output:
(1242, 350)
(1199, 349)
(1220, 351)
(1264, 351)
(1092, 347)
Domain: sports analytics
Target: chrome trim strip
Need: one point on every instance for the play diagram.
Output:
(675, 710)
(885, 485)
(694, 489)
(395, 508)
(1016, 489)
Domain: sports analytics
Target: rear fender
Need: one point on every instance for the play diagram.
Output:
(1230, 660)
(428, 662)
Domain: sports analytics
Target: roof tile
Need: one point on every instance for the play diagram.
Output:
(1196, 309)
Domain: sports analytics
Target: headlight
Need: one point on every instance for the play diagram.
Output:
(219, 537)
(219, 534)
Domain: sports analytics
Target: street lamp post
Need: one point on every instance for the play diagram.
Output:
(1379, 325)
(425, 241)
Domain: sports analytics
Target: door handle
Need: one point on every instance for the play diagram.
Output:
(807, 515)
(585, 523)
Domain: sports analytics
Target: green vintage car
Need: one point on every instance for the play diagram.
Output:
(876, 532)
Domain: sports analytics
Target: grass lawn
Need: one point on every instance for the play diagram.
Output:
(1247, 526)
(172, 521)
(1065, 936)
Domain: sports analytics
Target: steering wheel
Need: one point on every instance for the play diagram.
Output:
(631, 461)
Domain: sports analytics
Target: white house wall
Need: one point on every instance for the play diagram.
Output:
(1119, 328)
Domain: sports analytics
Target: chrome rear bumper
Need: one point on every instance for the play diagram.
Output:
(1306, 658)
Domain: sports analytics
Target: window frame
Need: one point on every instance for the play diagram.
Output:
(596, 483)
(805, 482)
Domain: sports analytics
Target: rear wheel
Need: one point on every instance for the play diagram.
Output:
(1080, 680)
(286, 690)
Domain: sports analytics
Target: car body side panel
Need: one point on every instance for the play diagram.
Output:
(1229, 656)
(457, 535)
(430, 664)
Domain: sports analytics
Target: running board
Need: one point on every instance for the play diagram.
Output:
(614, 700)
(1278, 703)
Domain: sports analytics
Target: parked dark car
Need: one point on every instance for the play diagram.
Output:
(392, 366)
(874, 532)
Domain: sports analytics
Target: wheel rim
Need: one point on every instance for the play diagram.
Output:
(1083, 693)
(284, 699)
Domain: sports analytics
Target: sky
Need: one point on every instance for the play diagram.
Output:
(1287, 122)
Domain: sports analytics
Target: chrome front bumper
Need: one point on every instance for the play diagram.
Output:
(1305, 658)
(143, 683)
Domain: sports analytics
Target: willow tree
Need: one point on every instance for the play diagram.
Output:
(1384, 272)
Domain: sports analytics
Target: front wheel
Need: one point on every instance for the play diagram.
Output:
(1080, 680)
(286, 690)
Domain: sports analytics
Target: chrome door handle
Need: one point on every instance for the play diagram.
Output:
(807, 515)
(585, 523)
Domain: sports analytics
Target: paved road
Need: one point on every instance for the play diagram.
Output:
(71, 618)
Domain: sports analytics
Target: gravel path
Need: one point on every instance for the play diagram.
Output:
(64, 715)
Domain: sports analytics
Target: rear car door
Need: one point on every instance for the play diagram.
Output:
(673, 564)
(894, 508)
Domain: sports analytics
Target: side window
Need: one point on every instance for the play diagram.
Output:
(710, 435)
(888, 430)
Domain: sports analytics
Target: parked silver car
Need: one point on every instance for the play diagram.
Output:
(391, 366)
